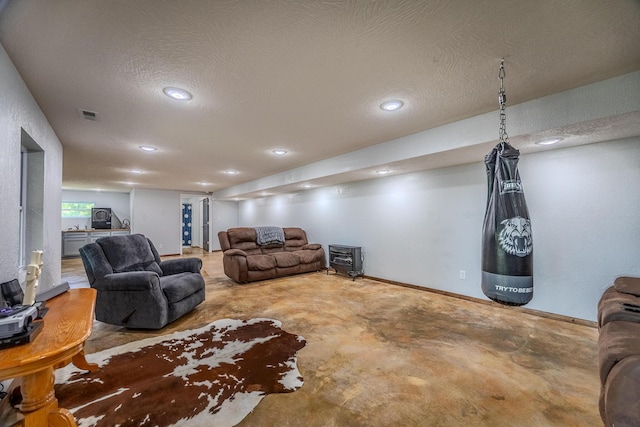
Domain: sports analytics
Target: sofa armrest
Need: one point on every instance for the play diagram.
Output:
(620, 394)
(128, 281)
(181, 265)
(312, 246)
(628, 285)
(232, 252)
(223, 238)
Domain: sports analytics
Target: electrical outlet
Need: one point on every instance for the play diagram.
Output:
(463, 275)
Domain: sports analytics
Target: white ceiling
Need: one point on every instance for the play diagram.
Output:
(307, 76)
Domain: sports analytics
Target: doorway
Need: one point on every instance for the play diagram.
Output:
(31, 198)
(205, 224)
(194, 230)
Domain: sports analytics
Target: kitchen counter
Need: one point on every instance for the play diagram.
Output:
(87, 230)
(73, 240)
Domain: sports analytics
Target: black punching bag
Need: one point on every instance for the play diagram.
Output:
(507, 249)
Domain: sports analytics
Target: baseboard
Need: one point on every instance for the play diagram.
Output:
(538, 313)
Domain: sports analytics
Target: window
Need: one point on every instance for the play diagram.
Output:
(76, 209)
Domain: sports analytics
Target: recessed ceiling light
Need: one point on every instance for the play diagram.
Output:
(279, 152)
(147, 148)
(306, 185)
(383, 171)
(549, 141)
(177, 93)
(138, 171)
(204, 183)
(393, 105)
(231, 172)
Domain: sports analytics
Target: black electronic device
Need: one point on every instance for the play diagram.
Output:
(24, 337)
(100, 218)
(12, 311)
(17, 320)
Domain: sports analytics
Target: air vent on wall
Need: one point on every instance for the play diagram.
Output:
(89, 115)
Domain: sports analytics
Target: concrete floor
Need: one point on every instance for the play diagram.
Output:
(379, 354)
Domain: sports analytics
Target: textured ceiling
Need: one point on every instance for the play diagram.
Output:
(304, 75)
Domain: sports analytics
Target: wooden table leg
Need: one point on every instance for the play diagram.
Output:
(81, 362)
(62, 418)
(39, 405)
(37, 390)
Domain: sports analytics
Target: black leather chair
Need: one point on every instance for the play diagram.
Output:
(135, 288)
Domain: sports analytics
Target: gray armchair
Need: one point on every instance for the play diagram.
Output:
(135, 288)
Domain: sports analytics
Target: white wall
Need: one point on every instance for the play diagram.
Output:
(18, 110)
(224, 215)
(118, 202)
(157, 215)
(423, 228)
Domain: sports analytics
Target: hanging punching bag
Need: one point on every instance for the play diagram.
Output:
(507, 253)
(507, 248)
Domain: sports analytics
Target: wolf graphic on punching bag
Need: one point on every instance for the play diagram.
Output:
(507, 248)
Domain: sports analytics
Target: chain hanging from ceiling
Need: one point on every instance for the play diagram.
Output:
(507, 247)
(502, 100)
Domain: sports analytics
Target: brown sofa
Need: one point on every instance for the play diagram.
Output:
(619, 352)
(246, 261)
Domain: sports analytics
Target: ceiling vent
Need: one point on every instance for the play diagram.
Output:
(89, 115)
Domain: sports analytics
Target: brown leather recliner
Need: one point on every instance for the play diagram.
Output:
(246, 261)
(619, 353)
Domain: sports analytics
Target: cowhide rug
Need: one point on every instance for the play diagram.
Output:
(212, 376)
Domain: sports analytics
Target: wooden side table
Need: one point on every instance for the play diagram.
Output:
(67, 325)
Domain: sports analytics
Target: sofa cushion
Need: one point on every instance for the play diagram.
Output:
(177, 287)
(128, 251)
(308, 257)
(272, 248)
(244, 238)
(628, 285)
(296, 238)
(286, 259)
(261, 262)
